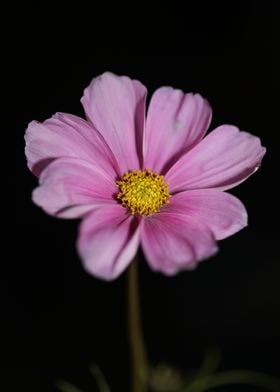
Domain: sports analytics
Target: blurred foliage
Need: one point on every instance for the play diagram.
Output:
(165, 378)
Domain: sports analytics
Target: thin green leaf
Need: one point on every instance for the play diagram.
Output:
(65, 386)
(99, 378)
(257, 379)
(211, 362)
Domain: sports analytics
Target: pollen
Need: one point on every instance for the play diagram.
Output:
(143, 192)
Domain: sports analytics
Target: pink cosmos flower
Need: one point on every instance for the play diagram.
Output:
(153, 180)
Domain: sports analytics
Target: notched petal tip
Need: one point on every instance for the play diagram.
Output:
(176, 122)
(174, 242)
(108, 241)
(115, 105)
(222, 160)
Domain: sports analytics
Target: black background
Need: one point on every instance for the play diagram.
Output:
(57, 318)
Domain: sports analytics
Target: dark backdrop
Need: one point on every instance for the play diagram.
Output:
(58, 319)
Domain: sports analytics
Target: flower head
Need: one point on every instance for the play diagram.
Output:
(134, 179)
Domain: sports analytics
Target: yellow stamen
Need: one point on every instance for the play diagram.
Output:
(143, 192)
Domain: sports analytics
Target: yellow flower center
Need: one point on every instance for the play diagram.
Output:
(143, 192)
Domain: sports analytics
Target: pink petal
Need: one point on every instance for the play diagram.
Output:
(66, 135)
(221, 212)
(174, 242)
(108, 241)
(70, 187)
(225, 158)
(175, 123)
(116, 107)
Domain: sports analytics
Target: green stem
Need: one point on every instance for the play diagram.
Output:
(140, 370)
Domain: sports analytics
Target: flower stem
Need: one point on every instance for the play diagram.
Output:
(140, 370)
